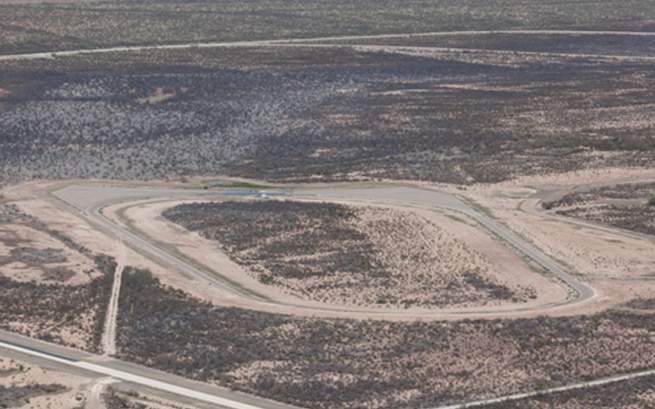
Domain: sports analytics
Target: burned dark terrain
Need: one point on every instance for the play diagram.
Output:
(307, 114)
(30, 26)
(318, 363)
(617, 44)
(461, 92)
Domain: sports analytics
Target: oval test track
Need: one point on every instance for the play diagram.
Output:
(92, 199)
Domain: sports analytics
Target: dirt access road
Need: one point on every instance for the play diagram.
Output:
(312, 42)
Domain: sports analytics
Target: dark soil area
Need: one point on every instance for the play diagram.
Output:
(313, 114)
(339, 363)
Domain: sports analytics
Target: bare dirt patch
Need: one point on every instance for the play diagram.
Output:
(159, 95)
(32, 199)
(614, 260)
(444, 259)
(28, 386)
(28, 254)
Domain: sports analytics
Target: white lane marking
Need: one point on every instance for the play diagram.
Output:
(141, 380)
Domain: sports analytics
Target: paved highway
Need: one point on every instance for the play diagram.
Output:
(62, 358)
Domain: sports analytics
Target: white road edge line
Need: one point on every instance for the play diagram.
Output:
(128, 377)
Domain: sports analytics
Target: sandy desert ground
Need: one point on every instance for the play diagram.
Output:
(601, 257)
(43, 257)
(50, 389)
(459, 236)
(617, 264)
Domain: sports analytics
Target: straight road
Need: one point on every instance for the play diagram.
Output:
(62, 358)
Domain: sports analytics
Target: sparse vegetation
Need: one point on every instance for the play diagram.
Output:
(625, 192)
(47, 306)
(56, 312)
(347, 255)
(339, 363)
(319, 114)
(642, 304)
(19, 396)
(637, 218)
(634, 393)
(115, 400)
(17, 393)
